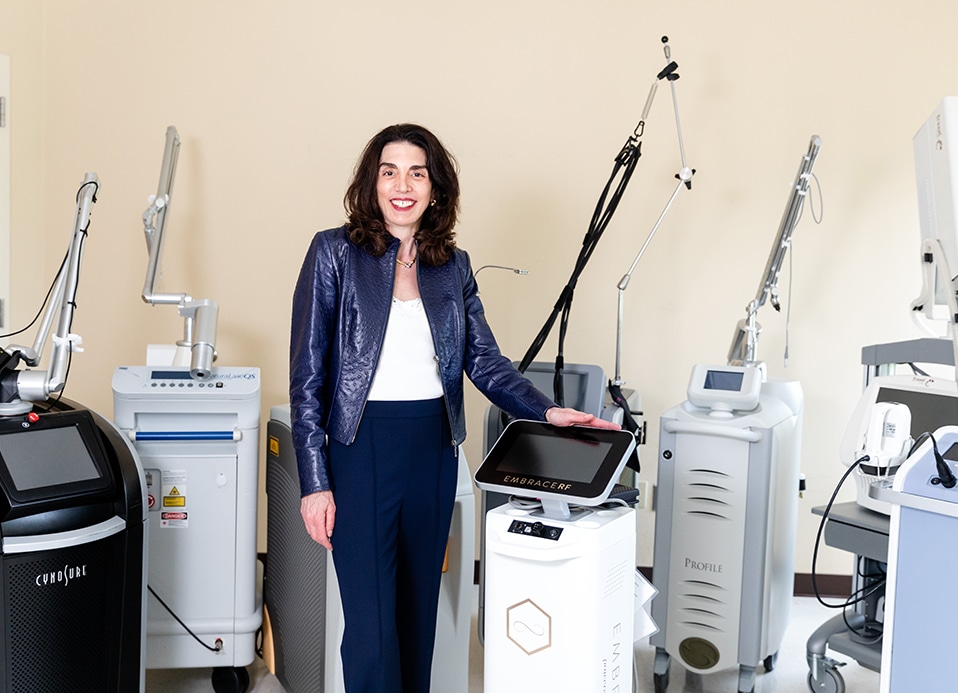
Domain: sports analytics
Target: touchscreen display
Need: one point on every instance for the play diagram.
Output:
(49, 457)
(556, 458)
(730, 381)
(540, 460)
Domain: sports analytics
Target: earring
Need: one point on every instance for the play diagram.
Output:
(433, 202)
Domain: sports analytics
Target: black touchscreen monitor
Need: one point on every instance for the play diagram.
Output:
(574, 464)
(55, 457)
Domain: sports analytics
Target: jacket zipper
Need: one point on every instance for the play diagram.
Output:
(382, 338)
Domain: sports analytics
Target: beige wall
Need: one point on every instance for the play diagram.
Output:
(274, 101)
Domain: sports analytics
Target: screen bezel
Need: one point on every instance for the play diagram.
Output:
(746, 398)
(490, 478)
(88, 436)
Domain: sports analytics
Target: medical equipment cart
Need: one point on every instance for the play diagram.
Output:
(540, 635)
(725, 523)
(584, 386)
(72, 561)
(864, 533)
(921, 563)
(198, 441)
(73, 527)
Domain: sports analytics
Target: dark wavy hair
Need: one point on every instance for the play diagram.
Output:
(365, 222)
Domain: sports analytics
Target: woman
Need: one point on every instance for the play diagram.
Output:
(386, 319)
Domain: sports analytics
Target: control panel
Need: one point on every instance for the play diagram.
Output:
(535, 529)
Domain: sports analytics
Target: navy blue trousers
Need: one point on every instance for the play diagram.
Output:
(394, 488)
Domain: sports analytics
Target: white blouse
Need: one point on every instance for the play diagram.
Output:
(408, 368)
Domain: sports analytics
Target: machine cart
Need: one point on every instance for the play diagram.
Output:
(725, 529)
(864, 533)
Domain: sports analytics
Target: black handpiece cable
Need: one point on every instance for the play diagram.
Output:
(43, 305)
(623, 169)
(818, 538)
(860, 595)
(945, 476)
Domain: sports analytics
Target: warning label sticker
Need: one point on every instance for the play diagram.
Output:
(173, 519)
(173, 491)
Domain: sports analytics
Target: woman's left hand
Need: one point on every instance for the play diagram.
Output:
(564, 416)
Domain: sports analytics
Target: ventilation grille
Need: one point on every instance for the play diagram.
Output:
(708, 495)
(61, 608)
(703, 604)
(615, 579)
(295, 583)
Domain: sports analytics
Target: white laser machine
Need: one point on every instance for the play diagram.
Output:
(725, 523)
(196, 429)
(560, 571)
(728, 485)
(198, 443)
(921, 559)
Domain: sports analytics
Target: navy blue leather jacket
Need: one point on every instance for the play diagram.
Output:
(340, 308)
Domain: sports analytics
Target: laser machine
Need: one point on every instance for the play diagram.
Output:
(923, 495)
(72, 517)
(728, 484)
(560, 564)
(196, 429)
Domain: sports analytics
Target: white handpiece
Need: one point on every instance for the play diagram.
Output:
(888, 436)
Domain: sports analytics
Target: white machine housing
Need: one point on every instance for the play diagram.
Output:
(876, 430)
(725, 526)
(921, 562)
(559, 613)
(585, 390)
(539, 635)
(936, 171)
(198, 441)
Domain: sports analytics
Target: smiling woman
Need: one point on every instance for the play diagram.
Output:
(386, 320)
(403, 188)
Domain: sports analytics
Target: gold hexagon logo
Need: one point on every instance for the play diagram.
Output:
(529, 627)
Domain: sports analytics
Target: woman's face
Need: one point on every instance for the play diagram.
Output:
(403, 187)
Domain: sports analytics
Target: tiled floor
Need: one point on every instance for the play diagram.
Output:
(789, 676)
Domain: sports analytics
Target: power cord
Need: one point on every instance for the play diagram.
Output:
(219, 642)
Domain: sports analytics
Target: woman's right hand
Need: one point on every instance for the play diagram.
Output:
(319, 513)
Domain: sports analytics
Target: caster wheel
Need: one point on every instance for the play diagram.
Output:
(833, 683)
(769, 662)
(661, 682)
(230, 679)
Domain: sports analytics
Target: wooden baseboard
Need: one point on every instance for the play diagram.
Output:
(836, 586)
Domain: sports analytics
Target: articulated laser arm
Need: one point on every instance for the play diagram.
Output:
(19, 388)
(199, 326)
(745, 341)
(684, 178)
